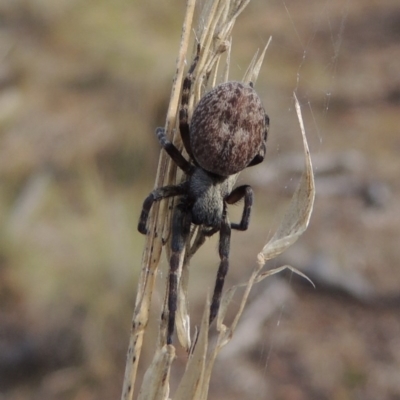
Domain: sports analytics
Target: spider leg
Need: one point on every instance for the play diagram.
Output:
(224, 247)
(157, 195)
(173, 152)
(181, 222)
(183, 112)
(261, 153)
(237, 194)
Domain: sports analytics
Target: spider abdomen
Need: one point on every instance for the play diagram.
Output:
(227, 128)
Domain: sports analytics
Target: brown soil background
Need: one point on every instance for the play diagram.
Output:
(83, 84)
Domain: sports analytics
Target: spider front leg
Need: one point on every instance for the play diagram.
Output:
(223, 248)
(237, 194)
(157, 195)
(181, 222)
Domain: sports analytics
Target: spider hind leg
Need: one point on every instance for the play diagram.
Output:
(173, 152)
(183, 111)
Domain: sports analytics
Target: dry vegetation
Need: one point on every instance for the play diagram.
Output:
(83, 84)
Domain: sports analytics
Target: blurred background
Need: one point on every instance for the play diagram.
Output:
(84, 83)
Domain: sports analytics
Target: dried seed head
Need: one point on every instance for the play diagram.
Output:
(227, 128)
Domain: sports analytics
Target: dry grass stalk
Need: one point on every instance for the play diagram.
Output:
(213, 32)
(153, 245)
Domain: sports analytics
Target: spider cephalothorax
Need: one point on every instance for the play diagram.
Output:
(227, 133)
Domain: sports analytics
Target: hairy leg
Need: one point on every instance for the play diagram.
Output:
(180, 232)
(237, 194)
(183, 112)
(157, 195)
(224, 247)
(173, 152)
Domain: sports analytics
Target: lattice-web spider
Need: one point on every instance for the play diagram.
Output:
(227, 133)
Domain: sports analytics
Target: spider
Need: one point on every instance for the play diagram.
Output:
(227, 133)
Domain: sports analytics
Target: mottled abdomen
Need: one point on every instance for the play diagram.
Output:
(227, 128)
